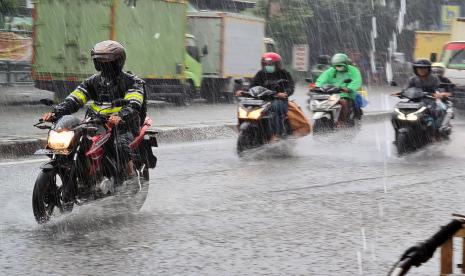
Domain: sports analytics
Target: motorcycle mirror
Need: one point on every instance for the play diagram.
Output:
(309, 80)
(239, 81)
(347, 80)
(119, 102)
(47, 102)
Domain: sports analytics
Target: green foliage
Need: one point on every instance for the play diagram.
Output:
(7, 6)
(286, 23)
(290, 19)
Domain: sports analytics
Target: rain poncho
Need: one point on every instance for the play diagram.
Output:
(333, 77)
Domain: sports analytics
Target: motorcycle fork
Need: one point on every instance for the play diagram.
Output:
(65, 169)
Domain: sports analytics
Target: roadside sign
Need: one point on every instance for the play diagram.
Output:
(300, 56)
(448, 14)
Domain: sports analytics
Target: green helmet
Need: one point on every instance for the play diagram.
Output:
(339, 59)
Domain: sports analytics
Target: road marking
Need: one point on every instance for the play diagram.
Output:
(22, 162)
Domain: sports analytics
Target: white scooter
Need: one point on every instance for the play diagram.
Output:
(323, 102)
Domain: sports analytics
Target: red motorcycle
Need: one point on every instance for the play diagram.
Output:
(84, 165)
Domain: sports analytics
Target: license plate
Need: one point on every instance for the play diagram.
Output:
(51, 152)
(320, 97)
(252, 102)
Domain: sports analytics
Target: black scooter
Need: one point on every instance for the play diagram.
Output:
(413, 120)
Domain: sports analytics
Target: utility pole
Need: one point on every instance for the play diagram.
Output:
(267, 16)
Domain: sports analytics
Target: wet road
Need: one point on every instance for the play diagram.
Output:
(343, 204)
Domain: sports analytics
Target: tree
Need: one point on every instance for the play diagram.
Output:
(286, 22)
(7, 7)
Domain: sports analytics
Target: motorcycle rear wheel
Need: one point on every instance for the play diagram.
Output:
(45, 197)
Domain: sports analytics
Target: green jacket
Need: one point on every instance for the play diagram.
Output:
(333, 77)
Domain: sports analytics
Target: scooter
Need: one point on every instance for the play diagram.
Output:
(413, 122)
(323, 102)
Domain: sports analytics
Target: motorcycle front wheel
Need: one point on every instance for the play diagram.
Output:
(323, 125)
(247, 140)
(402, 143)
(45, 196)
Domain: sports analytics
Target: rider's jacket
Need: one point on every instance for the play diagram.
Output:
(103, 91)
(336, 78)
(269, 80)
(429, 84)
(446, 84)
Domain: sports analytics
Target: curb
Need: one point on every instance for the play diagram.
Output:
(376, 115)
(22, 146)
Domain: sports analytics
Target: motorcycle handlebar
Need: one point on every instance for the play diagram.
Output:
(421, 253)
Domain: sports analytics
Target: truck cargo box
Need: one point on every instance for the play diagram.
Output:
(235, 42)
(152, 31)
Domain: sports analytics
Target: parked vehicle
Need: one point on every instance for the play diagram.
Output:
(231, 44)
(453, 58)
(82, 166)
(429, 44)
(155, 51)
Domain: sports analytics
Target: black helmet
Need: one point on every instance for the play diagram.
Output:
(324, 59)
(109, 55)
(424, 63)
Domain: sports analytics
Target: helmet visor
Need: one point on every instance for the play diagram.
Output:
(107, 67)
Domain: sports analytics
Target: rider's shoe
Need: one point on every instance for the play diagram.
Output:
(274, 139)
(445, 130)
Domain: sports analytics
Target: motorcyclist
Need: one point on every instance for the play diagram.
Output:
(427, 82)
(272, 72)
(111, 84)
(447, 89)
(340, 71)
(423, 78)
(322, 65)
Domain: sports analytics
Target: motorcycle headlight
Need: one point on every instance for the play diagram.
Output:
(334, 98)
(400, 115)
(419, 110)
(255, 114)
(412, 117)
(60, 140)
(321, 105)
(242, 113)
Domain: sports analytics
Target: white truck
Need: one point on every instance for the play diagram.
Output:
(453, 57)
(235, 45)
